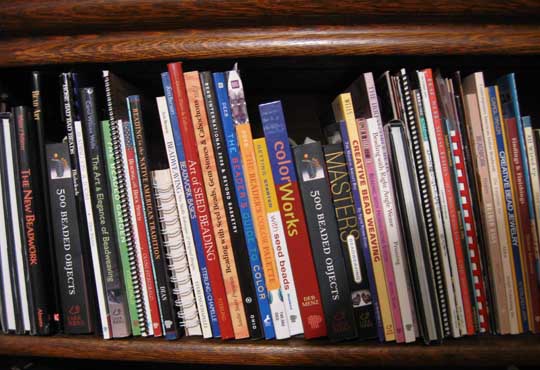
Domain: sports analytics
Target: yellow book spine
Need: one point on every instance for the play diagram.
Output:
(343, 111)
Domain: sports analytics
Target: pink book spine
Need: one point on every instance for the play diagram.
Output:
(391, 285)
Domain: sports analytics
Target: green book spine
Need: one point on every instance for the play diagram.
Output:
(119, 226)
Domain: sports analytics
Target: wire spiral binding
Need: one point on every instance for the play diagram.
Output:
(175, 252)
(126, 220)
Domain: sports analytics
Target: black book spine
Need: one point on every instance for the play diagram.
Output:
(75, 296)
(48, 260)
(349, 236)
(33, 220)
(108, 249)
(169, 315)
(234, 221)
(4, 157)
(68, 118)
(325, 243)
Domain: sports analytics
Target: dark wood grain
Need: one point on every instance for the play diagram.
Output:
(442, 39)
(475, 351)
(65, 16)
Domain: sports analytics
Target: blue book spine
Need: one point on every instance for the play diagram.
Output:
(362, 227)
(507, 188)
(166, 81)
(233, 152)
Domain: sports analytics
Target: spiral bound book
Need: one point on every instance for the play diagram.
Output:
(173, 240)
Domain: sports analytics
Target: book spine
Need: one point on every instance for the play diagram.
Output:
(343, 111)
(279, 243)
(186, 210)
(255, 184)
(498, 201)
(143, 243)
(233, 314)
(380, 221)
(252, 247)
(199, 196)
(119, 228)
(238, 273)
(506, 179)
(92, 234)
(74, 294)
(32, 219)
(323, 232)
(457, 316)
(128, 252)
(50, 318)
(439, 256)
(164, 295)
(293, 217)
(350, 237)
(393, 224)
(444, 165)
(532, 258)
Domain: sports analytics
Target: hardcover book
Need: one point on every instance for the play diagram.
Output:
(292, 214)
(71, 270)
(325, 244)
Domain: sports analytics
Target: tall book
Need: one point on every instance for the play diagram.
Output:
(172, 238)
(324, 238)
(7, 281)
(531, 257)
(186, 210)
(230, 203)
(34, 225)
(38, 115)
(343, 112)
(438, 252)
(113, 178)
(350, 239)
(506, 179)
(287, 292)
(73, 277)
(167, 308)
(135, 286)
(108, 249)
(251, 247)
(486, 202)
(290, 204)
(364, 96)
(187, 131)
(140, 234)
(17, 219)
(256, 187)
(12, 262)
(408, 199)
(234, 314)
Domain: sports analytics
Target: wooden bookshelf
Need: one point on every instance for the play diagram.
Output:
(336, 38)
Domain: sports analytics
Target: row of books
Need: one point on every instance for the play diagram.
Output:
(415, 219)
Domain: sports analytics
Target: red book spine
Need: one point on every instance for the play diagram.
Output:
(143, 236)
(470, 232)
(199, 194)
(451, 200)
(528, 237)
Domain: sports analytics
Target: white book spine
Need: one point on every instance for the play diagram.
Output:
(7, 288)
(457, 314)
(94, 250)
(185, 222)
(533, 171)
(393, 228)
(498, 199)
(135, 228)
(283, 262)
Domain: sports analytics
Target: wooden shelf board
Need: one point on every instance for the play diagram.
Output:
(473, 351)
(376, 39)
(73, 17)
